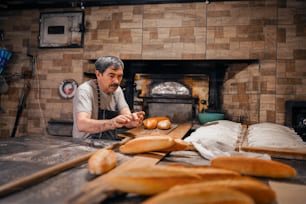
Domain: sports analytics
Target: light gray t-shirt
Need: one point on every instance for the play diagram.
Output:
(86, 100)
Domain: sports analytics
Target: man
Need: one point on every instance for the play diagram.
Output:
(99, 106)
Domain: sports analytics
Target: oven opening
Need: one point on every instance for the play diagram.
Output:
(174, 95)
(296, 117)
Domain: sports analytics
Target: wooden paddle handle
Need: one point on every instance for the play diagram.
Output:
(20, 184)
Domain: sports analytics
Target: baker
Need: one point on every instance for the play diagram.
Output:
(99, 106)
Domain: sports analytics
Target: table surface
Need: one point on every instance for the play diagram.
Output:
(22, 156)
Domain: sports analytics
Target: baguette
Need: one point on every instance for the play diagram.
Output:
(176, 170)
(255, 166)
(102, 161)
(260, 192)
(146, 144)
(151, 122)
(178, 145)
(164, 124)
(212, 195)
(149, 180)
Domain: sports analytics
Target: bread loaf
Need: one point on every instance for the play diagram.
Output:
(177, 170)
(102, 161)
(164, 125)
(148, 180)
(151, 122)
(178, 145)
(254, 166)
(212, 195)
(146, 144)
(260, 192)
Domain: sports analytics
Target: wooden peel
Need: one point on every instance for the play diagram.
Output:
(141, 131)
(21, 183)
(99, 190)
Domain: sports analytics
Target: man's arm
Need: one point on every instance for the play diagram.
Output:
(86, 124)
(126, 118)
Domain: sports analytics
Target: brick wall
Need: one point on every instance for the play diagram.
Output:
(269, 30)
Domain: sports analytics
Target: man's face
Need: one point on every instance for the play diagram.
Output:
(110, 79)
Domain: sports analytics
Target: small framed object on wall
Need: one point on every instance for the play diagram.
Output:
(61, 30)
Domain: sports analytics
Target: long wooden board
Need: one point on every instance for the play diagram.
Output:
(141, 131)
(278, 152)
(283, 153)
(98, 190)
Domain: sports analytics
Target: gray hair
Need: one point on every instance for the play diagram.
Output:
(105, 62)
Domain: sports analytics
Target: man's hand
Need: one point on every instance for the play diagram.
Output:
(130, 120)
(138, 118)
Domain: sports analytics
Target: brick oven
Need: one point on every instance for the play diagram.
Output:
(201, 79)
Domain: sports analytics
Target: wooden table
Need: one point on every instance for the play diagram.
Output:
(26, 155)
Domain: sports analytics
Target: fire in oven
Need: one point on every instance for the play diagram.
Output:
(171, 96)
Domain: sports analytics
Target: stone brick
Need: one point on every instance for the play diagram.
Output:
(267, 99)
(281, 35)
(270, 116)
(299, 54)
(280, 104)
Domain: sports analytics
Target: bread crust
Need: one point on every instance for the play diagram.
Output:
(212, 195)
(102, 161)
(164, 124)
(254, 166)
(146, 144)
(260, 192)
(178, 145)
(149, 180)
(177, 170)
(151, 122)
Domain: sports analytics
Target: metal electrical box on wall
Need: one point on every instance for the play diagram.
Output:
(61, 30)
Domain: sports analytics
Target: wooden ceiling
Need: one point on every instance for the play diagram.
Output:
(41, 4)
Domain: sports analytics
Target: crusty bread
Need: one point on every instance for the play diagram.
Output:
(149, 185)
(178, 145)
(176, 170)
(147, 144)
(254, 166)
(260, 192)
(148, 180)
(164, 124)
(102, 161)
(151, 122)
(212, 195)
(206, 172)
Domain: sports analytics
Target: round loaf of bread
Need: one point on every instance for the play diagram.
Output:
(164, 125)
(102, 161)
(151, 122)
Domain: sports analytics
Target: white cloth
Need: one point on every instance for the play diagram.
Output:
(219, 138)
(271, 135)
